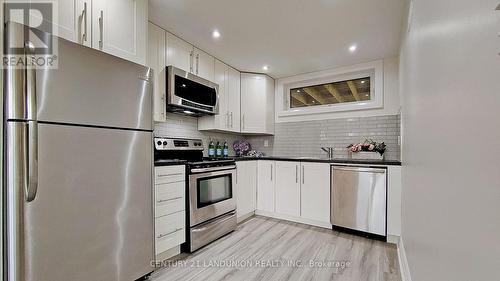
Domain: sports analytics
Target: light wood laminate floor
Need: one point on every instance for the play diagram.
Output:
(270, 249)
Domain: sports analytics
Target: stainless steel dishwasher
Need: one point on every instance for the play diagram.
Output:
(358, 199)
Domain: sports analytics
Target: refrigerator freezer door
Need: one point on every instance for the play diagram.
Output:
(92, 217)
(93, 88)
(358, 199)
(88, 87)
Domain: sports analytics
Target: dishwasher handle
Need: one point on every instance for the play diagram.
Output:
(360, 169)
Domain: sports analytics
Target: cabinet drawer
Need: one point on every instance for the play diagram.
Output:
(170, 174)
(169, 198)
(169, 231)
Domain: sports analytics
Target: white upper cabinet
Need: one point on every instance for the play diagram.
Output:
(117, 27)
(185, 56)
(203, 64)
(120, 28)
(218, 122)
(179, 53)
(257, 104)
(156, 60)
(75, 20)
(246, 188)
(228, 118)
(315, 191)
(265, 185)
(233, 97)
(287, 188)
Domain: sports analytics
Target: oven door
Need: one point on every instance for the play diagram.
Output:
(211, 194)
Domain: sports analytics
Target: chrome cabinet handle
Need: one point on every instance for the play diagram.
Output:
(166, 200)
(191, 54)
(168, 175)
(303, 176)
(296, 174)
(167, 234)
(243, 121)
(227, 120)
(271, 172)
(197, 63)
(101, 30)
(231, 116)
(84, 37)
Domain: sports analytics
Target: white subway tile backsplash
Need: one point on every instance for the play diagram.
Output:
(299, 138)
(306, 138)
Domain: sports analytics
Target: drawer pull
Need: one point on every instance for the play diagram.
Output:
(166, 200)
(167, 234)
(168, 175)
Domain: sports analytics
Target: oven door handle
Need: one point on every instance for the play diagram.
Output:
(213, 169)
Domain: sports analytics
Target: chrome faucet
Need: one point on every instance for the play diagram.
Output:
(329, 151)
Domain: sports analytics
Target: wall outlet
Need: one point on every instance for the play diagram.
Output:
(266, 143)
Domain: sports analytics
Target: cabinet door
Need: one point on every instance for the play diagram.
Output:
(156, 60)
(315, 191)
(246, 187)
(120, 28)
(257, 104)
(233, 97)
(73, 20)
(204, 65)
(179, 53)
(221, 120)
(287, 188)
(265, 185)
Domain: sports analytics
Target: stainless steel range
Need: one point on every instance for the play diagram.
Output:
(211, 201)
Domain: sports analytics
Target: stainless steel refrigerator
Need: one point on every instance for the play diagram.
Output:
(77, 167)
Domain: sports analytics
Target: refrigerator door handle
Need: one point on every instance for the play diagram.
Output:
(32, 126)
(32, 160)
(30, 84)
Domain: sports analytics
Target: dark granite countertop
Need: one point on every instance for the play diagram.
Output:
(171, 162)
(324, 160)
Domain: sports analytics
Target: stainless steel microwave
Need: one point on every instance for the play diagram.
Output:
(189, 94)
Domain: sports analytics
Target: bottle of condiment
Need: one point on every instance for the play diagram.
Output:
(225, 152)
(211, 149)
(218, 150)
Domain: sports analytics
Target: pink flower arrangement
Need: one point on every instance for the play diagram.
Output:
(368, 145)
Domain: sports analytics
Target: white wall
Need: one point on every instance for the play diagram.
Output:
(391, 99)
(450, 73)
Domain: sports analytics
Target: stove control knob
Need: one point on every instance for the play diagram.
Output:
(159, 143)
(164, 142)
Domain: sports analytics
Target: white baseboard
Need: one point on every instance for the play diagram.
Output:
(294, 219)
(403, 262)
(244, 217)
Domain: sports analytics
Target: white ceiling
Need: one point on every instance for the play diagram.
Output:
(291, 36)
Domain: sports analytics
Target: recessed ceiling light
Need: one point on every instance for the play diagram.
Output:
(298, 91)
(265, 68)
(215, 34)
(362, 81)
(353, 48)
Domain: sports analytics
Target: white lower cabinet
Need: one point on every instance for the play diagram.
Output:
(169, 210)
(315, 191)
(293, 190)
(246, 188)
(265, 185)
(287, 188)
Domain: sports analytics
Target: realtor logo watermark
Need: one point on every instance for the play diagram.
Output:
(30, 33)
